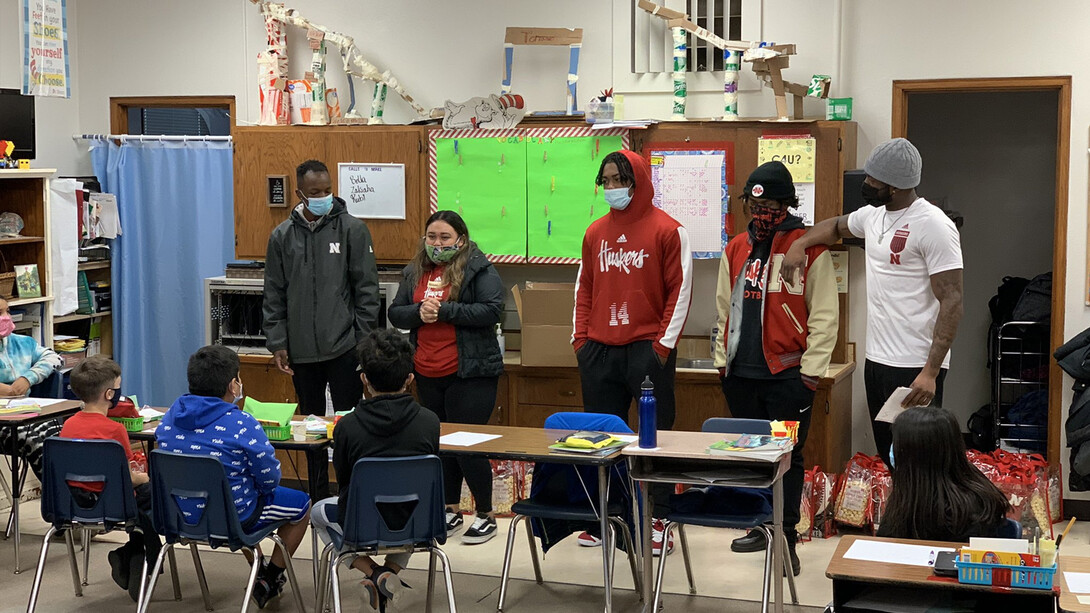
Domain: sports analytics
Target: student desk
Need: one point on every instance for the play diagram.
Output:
(63, 408)
(853, 579)
(682, 457)
(311, 447)
(532, 445)
(1069, 603)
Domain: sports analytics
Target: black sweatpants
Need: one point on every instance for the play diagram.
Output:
(881, 381)
(462, 401)
(776, 399)
(345, 388)
(611, 375)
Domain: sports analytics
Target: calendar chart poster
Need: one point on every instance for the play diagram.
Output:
(692, 186)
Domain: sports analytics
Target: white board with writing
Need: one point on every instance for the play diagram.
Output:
(372, 191)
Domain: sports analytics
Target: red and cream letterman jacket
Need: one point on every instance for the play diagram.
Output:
(635, 279)
(799, 322)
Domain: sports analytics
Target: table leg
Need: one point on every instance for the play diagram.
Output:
(777, 544)
(645, 544)
(637, 540)
(16, 492)
(607, 543)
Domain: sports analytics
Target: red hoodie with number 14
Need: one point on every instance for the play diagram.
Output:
(635, 278)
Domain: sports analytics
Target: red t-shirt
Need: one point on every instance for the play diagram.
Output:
(95, 426)
(436, 345)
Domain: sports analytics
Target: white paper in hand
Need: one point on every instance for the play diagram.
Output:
(892, 408)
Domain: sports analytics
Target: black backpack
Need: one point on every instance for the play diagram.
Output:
(1035, 303)
(1006, 298)
(982, 429)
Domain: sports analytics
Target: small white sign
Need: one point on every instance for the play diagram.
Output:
(372, 191)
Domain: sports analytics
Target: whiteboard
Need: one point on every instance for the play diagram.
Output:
(372, 191)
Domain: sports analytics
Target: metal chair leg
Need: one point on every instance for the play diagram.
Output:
(448, 575)
(533, 550)
(657, 597)
(632, 562)
(85, 541)
(174, 575)
(199, 568)
(70, 540)
(767, 583)
(314, 558)
(431, 576)
(609, 546)
(321, 584)
(41, 568)
(291, 572)
(790, 572)
(337, 580)
(11, 514)
(255, 553)
(507, 560)
(147, 583)
(685, 557)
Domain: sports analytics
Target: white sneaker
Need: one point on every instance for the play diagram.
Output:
(482, 530)
(454, 521)
(589, 540)
(658, 528)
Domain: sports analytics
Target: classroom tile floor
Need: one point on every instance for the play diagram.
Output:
(725, 581)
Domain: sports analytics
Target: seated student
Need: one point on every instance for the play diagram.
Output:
(388, 424)
(97, 382)
(205, 422)
(23, 364)
(937, 494)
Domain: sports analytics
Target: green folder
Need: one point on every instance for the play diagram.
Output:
(280, 412)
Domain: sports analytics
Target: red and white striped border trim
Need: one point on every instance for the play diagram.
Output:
(577, 131)
(542, 260)
(505, 259)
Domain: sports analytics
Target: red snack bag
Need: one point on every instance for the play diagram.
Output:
(124, 408)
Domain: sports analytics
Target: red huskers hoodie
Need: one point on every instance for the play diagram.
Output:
(635, 279)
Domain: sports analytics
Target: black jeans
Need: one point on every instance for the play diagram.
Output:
(776, 399)
(345, 388)
(881, 381)
(462, 401)
(611, 375)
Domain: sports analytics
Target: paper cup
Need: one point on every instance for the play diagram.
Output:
(299, 432)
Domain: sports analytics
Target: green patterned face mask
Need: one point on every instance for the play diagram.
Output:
(442, 255)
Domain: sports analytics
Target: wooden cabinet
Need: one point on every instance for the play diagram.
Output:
(698, 396)
(263, 381)
(276, 150)
(829, 443)
(26, 193)
(537, 393)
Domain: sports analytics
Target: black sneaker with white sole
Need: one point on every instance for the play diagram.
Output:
(482, 530)
(454, 521)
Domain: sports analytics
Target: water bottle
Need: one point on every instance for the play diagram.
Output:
(648, 423)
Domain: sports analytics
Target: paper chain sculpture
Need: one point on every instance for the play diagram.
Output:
(273, 67)
(768, 61)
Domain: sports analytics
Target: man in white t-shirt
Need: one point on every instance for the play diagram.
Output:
(914, 285)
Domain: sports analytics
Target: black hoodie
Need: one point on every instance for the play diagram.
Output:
(387, 426)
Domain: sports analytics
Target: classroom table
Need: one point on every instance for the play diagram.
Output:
(682, 457)
(532, 445)
(312, 447)
(63, 408)
(855, 579)
(1069, 602)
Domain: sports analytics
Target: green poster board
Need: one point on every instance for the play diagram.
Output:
(485, 182)
(561, 200)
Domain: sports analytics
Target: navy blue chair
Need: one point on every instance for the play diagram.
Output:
(175, 475)
(1011, 529)
(415, 485)
(86, 461)
(740, 521)
(582, 483)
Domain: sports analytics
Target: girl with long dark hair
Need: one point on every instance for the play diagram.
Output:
(937, 494)
(450, 299)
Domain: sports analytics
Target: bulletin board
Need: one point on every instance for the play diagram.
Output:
(691, 183)
(481, 175)
(561, 197)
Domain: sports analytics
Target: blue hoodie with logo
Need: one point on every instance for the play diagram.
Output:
(203, 425)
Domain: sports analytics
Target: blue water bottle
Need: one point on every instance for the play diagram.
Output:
(648, 423)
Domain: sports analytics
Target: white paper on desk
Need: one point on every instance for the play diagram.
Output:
(892, 408)
(997, 544)
(466, 439)
(1077, 583)
(893, 553)
(628, 438)
(1083, 599)
(34, 402)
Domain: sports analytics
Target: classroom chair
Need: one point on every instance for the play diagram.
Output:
(678, 520)
(50, 387)
(198, 476)
(377, 484)
(581, 484)
(79, 460)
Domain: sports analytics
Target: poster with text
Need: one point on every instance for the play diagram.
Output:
(372, 191)
(45, 48)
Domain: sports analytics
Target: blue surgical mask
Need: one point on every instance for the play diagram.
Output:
(618, 198)
(320, 206)
(891, 462)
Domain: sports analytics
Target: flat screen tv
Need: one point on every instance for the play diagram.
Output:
(17, 122)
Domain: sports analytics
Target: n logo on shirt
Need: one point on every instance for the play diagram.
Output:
(334, 247)
(897, 245)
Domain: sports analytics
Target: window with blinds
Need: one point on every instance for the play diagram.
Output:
(179, 121)
(652, 45)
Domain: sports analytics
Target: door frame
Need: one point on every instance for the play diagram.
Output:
(1062, 85)
(119, 107)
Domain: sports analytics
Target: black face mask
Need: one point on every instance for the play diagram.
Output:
(874, 196)
(117, 396)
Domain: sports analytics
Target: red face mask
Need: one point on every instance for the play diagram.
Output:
(764, 221)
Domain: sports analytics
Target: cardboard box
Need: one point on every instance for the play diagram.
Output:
(545, 310)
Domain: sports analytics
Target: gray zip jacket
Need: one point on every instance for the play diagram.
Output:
(321, 286)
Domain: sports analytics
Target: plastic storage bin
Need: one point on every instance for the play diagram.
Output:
(1031, 577)
(132, 424)
(277, 433)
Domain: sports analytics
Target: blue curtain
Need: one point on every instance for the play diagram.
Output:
(176, 207)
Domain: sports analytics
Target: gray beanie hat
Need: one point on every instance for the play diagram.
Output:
(896, 163)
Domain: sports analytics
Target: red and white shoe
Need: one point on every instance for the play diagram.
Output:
(658, 528)
(589, 540)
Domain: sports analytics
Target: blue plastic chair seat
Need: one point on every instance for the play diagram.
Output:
(573, 512)
(738, 522)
